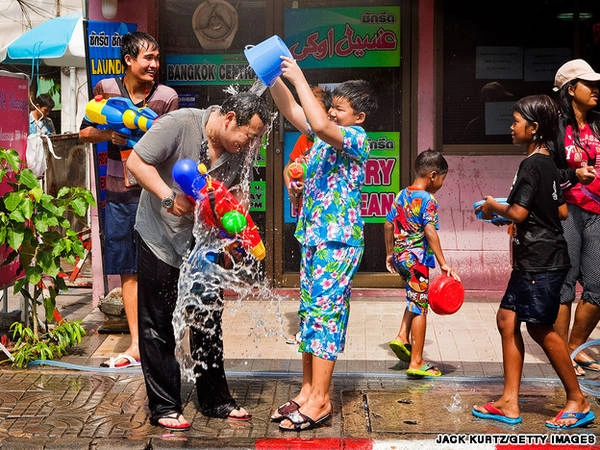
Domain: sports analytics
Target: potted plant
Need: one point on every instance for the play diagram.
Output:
(36, 232)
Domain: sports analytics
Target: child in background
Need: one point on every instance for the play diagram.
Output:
(300, 152)
(412, 245)
(329, 230)
(39, 118)
(540, 263)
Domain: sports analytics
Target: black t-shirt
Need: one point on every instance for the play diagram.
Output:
(538, 244)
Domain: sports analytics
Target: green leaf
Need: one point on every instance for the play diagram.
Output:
(37, 193)
(33, 274)
(12, 200)
(17, 216)
(80, 206)
(27, 208)
(28, 178)
(15, 238)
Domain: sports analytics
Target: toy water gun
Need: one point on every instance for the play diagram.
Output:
(296, 172)
(121, 115)
(496, 218)
(218, 206)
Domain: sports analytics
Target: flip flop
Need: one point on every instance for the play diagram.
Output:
(578, 370)
(130, 361)
(401, 350)
(587, 364)
(424, 371)
(494, 413)
(582, 419)
(287, 408)
(243, 418)
(301, 422)
(181, 426)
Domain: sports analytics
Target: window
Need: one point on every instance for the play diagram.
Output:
(491, 59)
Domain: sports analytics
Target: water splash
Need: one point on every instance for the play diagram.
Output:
(455, 406)
(214, 265)
(258, 88)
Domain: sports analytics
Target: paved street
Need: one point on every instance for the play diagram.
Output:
(76, 404)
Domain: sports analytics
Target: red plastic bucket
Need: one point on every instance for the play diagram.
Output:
(446, 295)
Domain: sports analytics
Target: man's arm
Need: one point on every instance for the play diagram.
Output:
(148, 177)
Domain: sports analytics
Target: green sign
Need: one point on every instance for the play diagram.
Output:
(382, 176)
(344, 37)
(258, 196)
(208, 69)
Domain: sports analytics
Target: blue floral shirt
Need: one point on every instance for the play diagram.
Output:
(332, 191)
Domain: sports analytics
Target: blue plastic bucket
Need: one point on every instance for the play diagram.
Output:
(265, 58)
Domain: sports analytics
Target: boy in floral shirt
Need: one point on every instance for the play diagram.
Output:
(329, 230)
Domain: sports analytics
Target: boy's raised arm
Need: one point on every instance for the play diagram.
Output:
(288, 106)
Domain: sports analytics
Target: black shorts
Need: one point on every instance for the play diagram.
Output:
(535, 297)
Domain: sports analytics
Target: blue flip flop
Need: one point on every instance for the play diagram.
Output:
(582, 419)
(494, 413)
(587, 365)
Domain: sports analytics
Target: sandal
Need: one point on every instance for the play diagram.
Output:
(426, 370)
(578, 369)
(225, 412)
(182, 424)
(301, 422)
(284, 410)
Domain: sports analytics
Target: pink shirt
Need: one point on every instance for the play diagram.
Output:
(585, 196)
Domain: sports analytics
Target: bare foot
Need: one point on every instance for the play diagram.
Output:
(174, 422)
(239, 414)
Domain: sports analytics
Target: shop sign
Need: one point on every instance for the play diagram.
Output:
(208, 69)
(382, 176)
(344, 37)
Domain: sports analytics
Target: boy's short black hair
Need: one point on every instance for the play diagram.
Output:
(44, 100)
(430, 161)
(360, 95)
(132, 43)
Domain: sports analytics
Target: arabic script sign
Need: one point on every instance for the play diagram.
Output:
(344, 37)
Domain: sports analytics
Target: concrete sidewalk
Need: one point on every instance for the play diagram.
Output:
(76, 404)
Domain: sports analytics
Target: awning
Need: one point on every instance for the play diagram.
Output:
(56, 42)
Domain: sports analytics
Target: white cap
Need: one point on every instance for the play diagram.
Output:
(574, 69)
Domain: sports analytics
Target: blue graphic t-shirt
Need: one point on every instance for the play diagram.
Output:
(411, 211)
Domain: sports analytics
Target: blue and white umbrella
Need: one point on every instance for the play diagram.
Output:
(56, 42)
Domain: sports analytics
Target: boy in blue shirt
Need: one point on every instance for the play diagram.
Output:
(412, 245)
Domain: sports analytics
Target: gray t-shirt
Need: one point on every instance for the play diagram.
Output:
(177, 135)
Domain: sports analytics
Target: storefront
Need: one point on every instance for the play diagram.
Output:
(433, 64)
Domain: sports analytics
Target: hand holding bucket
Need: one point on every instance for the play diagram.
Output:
(446, 294)
(265, 58)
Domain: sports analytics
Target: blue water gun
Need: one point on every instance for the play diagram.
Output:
(496, 218)
(121, 115)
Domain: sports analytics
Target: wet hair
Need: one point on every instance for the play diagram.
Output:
(360, 95)
(245, 105)
(430, 161)
(132, 43)
(542, 110)
(44, 100)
